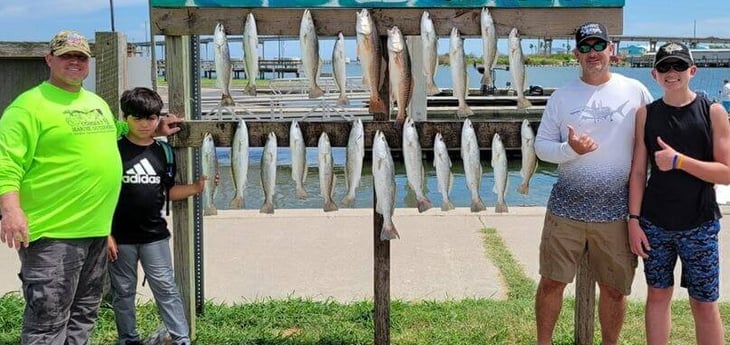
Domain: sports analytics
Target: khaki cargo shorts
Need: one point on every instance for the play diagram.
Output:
(564, 241)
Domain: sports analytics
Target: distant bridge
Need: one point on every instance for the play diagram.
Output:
(692, 42)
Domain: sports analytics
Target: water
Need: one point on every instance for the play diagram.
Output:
(708, 79)
(540, 184)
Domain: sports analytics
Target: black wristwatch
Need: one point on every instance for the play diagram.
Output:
(634, 216)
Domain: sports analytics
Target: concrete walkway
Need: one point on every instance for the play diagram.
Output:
(308, 253)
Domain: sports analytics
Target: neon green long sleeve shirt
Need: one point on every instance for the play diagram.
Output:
(58, 150)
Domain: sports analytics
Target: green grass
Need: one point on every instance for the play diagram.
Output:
(296, 321)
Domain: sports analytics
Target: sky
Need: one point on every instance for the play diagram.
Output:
(39, 20)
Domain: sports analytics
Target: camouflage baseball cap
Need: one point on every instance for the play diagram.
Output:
(69, 41)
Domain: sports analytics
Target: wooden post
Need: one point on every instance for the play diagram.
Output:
(585, 299)
(418, 106)
(381, 261)
(110, 52)
(177, 69)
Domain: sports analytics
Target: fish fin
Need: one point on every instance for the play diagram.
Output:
(501, 208)
(267, 207)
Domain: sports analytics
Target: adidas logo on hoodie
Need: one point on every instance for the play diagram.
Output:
(141, 173)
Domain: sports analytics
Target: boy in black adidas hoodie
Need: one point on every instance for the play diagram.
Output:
(139, 232)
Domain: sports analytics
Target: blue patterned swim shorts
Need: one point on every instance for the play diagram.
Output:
(698, 251)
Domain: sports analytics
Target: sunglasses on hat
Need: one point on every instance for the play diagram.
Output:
(597, 46)
(678, 65)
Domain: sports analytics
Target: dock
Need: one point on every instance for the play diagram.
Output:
(287, 99)
(278, 68)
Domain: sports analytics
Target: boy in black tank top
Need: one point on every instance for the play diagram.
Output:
(139, 232)
(686, 140)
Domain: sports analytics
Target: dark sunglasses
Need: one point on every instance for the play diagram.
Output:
(598, 46)
(679, 66)
(80, 57)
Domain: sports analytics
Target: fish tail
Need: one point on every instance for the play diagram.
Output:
(486, 77)
(251, 89)
(376, 103)
(330, 206)
(342, 100)
(501, 207)
(348, 201)
(523, 103)
(399, 120)
(210, 211)
(227, 100)
(464, 110)
(301, 193)
(523, 188)
(447, 206)
(237, 202)
(316, 92)
(431, 88)
(477, 205)
(389, 232)
(267, 207)
(423, 205)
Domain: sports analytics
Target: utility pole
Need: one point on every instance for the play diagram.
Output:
(111, 8)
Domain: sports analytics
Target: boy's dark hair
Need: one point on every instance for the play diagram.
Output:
(140, 102)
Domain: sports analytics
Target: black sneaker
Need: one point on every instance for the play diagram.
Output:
(133, 342)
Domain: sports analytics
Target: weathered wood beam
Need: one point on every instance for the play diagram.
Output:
(178, 74)
(192, 132)
(531, 22)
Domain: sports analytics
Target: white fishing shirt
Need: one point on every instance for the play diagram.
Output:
(592, 187)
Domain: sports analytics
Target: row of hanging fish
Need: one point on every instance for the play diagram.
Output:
(373, 61)
(381, 170)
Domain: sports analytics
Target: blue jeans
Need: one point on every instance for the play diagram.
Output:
(157, 265)
(726, 104)
(62, 285)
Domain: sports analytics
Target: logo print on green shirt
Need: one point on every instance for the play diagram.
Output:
(89, 121)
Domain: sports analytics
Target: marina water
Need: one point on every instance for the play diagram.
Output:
(707, 79)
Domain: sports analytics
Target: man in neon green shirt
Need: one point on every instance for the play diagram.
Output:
(60, 178)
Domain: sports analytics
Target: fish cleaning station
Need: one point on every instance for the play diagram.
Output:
(383, 103)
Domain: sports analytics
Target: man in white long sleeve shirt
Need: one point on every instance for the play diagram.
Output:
(588, 130)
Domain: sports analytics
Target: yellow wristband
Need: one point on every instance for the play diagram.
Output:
(680, 159)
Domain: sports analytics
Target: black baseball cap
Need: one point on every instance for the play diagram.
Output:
(673, 50)
(591, 30)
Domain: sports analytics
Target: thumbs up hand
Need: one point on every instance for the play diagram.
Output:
(665, 157)
(580, 144)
